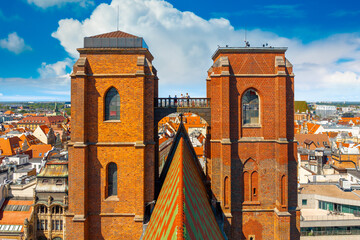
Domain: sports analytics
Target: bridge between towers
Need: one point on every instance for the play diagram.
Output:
(199, 106)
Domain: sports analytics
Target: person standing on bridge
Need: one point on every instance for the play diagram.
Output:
(175, 101)
(187, 99)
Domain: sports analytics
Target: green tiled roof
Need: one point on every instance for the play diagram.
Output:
(183, 210)
(301, 107)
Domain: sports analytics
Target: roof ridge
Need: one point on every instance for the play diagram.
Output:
(181, 198)
(115, 34)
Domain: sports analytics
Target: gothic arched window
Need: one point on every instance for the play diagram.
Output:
(250, 107)
(251, 181)
(246, 181)
(254, 186)
(112, 179)
(112, 105)
(226, 192)
(283, 190)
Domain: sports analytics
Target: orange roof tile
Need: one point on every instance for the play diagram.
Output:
(312, 127)
(318, 139)
(45, 129)
(9, 146)
(39, 150)
(44, 120)
(8, 112)
(15, 217)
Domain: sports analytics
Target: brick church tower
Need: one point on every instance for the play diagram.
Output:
(112, 153)
(252, 165)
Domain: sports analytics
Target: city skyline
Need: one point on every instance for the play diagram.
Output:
(38, 42)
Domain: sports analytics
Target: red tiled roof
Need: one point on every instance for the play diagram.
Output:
(38, 151)
(8, 112)
(15, 217)
(45, 129)
(312, 127)
(116, 34)
(332, 134)
(44, 120)
(9, 146)
(317, 139)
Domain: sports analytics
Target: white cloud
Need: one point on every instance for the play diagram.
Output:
(56, 73)
(14, 43)
(50, 3)
(52, 84)
(182, 44)
(24, 98)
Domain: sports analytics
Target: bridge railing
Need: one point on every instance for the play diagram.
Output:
(182, 102)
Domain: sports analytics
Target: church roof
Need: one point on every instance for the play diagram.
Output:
(183, 210)
(116, 34)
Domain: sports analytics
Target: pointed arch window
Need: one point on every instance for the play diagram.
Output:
(251, 181)
(246, 181)
(112, 179)
(254, 186)
(283, 190)
(250, 107)
(112, 105)
(226, 192)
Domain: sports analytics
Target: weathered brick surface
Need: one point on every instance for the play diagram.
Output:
(129, 143)
(269, 145)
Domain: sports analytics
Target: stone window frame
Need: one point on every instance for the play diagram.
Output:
(107, 116)
(250, 125)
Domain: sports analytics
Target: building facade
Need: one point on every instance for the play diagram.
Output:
(113, 165)
(252, 165)
(112, 149)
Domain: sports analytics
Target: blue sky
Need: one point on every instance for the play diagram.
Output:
(38, 41)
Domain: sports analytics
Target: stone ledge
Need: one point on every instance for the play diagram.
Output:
(251, 203)
(117, 214)
(79, 218)
(226, 141)
(139, 218)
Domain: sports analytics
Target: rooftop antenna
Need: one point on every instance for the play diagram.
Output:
(117, 19)
(247, 44)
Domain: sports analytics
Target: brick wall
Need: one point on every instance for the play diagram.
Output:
(269, 144)
(128, 142)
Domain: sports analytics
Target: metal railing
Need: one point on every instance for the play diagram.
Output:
(182, 102)
(331, 217)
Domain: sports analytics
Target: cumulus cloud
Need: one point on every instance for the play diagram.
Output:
(51, 3)
(14, 43)
(182, 44)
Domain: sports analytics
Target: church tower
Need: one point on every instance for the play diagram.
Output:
(112, 149)
(252, 165)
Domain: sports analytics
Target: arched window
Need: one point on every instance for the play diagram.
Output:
(283, 190)
(57, 210)
(251, 180)
(112, 105)
(112, 179)
(246, 186)
(250, 107)
(42, 209)
(226, 192)
(254, 186)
